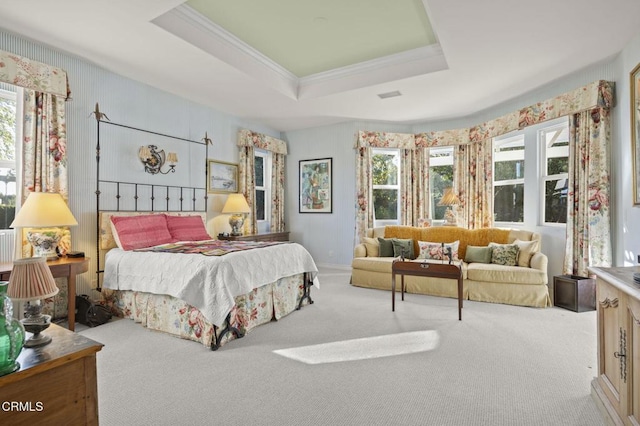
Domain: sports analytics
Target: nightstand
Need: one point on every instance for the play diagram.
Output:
(67, 267)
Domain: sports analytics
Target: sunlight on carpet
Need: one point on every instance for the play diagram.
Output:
(364, 348)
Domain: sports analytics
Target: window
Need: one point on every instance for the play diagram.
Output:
(508, 179)
(386, 186)
(441, 177)
(263, 188)
(554, 144)
(7, 157)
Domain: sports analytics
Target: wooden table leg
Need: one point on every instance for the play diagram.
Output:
(393, 292)
(71, 300)
(459, 299)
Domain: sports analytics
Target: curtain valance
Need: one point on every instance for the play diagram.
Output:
(385, 140)
(258, 140)
(596, 94)
(24, 72)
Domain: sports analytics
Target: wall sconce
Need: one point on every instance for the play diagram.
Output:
(153, 160)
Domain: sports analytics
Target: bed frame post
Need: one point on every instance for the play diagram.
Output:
(306, 292)
(217, 340)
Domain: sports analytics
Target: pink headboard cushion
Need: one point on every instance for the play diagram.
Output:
(141, 231)
(187, 228)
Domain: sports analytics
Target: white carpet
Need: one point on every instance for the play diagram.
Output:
(364, 348)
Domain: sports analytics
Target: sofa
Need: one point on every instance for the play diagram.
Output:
(486, 256)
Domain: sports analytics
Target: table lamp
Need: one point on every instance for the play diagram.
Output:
(31, 280)
(45, 212)
(449, 199)
(237, 206)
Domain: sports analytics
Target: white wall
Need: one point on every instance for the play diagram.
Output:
(626, 216)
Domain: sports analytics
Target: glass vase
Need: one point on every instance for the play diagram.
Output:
(11, 334)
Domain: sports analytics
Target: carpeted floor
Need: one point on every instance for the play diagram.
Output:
(500, 365)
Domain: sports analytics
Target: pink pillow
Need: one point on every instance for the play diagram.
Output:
(141, 231)
(187, 228)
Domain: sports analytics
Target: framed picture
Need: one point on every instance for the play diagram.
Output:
(316, 186)
(635, 132)
(222, 177)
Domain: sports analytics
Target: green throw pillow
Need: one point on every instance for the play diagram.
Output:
(386, 247)
(504, 254)
(478, 254)
(403, 248)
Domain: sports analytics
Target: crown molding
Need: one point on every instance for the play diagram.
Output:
(191, 26)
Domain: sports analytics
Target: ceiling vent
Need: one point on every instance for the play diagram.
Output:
(389, 94)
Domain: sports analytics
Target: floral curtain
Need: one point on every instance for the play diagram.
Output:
(44, 153)
(364, 191)
(414, 185)
(247, 142)
(473, 169)
(588, 218)
(247, 185)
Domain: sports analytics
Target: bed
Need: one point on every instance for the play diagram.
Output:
(208, 291)
(212, 296)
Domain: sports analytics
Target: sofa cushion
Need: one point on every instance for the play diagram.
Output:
(526, 249)
(386, 247)
(433, 251)
(502, 274)
(403, 248)
(375, 264)
(504, 254)
(478, 254)
(448, 234)
(372, 245)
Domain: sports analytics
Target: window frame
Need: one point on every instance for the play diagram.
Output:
(543, 159)
(439, 161)
(396, 153)
(509, 156)
(266, 185)
(14, 96)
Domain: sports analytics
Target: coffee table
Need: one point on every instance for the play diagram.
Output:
(423, 269)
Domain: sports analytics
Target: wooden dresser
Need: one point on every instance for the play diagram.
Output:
(56, 383)
(616, 389)
(267, 236)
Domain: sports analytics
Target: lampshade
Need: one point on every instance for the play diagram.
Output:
(144, 152)
(44, 209)
(449, 198)
(31, 279)
(172, 157)
(236, 203)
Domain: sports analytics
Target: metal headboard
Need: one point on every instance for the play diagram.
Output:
(186, 196)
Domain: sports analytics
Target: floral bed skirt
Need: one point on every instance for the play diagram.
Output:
(174, 316)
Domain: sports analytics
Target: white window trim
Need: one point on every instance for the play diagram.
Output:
(385, 222)
(266, 187)
(544, 155)
(508, 156)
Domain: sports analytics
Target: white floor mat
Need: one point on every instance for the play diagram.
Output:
(365, 348)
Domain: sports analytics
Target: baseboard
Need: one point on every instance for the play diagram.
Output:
(338, 266)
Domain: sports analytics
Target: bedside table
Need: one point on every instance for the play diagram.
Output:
(67, 267)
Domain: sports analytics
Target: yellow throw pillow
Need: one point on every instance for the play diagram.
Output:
(526, 252)
(372, 245)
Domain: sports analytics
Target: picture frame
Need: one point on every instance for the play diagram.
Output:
(222, 177)
(315, 194)
(634, 89)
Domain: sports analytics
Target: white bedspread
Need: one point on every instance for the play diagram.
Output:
(209, 283)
